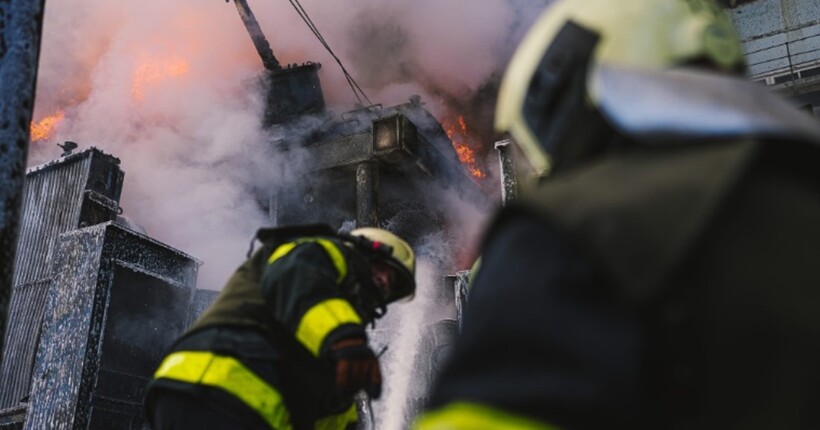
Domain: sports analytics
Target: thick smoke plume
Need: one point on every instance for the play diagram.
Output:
(172, 89)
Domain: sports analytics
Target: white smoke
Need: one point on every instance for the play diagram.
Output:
(171, 88)
(401, 331)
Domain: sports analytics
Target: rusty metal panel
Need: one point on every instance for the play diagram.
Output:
(25, 316)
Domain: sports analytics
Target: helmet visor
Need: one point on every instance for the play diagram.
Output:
(403, 286)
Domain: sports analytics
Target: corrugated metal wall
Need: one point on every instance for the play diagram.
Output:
(25, 317)
(52, 204)
(54, 193)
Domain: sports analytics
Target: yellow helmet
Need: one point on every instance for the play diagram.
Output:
(400, 255)
(573, 37)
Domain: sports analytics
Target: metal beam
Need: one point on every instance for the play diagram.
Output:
(21, 24)
(509, 178)
(367, 194)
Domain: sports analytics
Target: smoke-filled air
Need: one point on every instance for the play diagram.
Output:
(172, 88)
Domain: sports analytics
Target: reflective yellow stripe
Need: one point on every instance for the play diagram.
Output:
(230, 375)
(281, 251)
(323, 318)
(332, 250)
(472, 416)
(336, 257)
(338, 422)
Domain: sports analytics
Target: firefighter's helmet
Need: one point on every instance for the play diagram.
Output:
(398, 254)
(574, 37)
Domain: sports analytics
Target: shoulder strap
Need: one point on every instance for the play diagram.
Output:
(279, 235)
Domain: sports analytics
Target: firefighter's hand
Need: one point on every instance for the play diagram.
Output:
(357, 368)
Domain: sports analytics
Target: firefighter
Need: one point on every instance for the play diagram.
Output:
(663, 274)
(284, 344)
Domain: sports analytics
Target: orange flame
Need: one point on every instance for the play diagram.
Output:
(153, 71)
(45, 128)
(457, 133)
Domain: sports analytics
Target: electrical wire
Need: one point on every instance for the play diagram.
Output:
(357, 90)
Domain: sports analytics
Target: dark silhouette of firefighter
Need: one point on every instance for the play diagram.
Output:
(664, 274)
(284, 345)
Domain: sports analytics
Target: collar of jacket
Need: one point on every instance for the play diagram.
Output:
(657, 106)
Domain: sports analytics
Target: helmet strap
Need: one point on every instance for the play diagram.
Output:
(557, 109)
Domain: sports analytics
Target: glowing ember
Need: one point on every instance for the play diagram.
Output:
(153, 71)
(458, 134)
(45, 128)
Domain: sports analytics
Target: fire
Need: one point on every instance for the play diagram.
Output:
(458, 134)
(152, 71)
(45, 128)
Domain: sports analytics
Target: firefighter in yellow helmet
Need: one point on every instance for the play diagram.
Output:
(284, 346)
(662, 272)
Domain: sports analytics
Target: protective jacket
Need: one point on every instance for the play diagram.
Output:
(260, 351)
(667, 284)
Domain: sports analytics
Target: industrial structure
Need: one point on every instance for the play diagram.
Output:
(781, 40)
(94, 303)
(373, 165)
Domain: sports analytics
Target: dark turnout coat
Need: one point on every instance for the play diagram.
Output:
(658, 286)
(259, 353)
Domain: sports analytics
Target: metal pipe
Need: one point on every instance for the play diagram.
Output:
(21, 25)
(258, 38)
(509, 178)
(367, 194)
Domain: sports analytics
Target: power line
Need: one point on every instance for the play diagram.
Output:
(357, 90)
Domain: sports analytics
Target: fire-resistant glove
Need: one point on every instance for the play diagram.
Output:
(357, 368)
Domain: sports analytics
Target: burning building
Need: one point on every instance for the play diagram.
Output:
(95, 303)
(373, 166)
